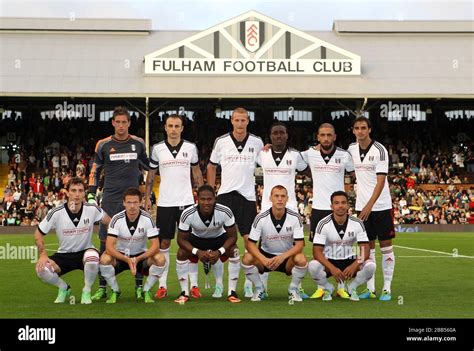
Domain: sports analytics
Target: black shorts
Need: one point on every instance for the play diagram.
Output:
(142, 266)
(316, 216)
(280, 268)
(70, 261)
(380, 225)
(207, 244)
(167, 218)
(341, 264)
(244, 210)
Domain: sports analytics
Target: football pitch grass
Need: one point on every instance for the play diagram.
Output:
(429, 282)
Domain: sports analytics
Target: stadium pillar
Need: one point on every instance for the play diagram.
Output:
(147, 126)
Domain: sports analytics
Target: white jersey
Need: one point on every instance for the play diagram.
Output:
(368, 164)
(327, 172)
(280, 169)
(277, 236)
(237, 160)
(192, 221)
(338, 240)
(132, 236)
(74, 230)
(174, 163)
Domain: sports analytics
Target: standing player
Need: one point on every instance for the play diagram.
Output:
(175, 159)
(280, 165)
(237, 152)
(280, 233)
(74, 223)
(373, 202)
(206, 233)
(328, 165)
(127, 249)
(120, 156)
(333, 250)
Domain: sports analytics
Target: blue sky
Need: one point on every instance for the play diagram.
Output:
(198, 15)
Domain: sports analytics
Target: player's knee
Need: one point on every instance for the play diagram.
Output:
(182, 255)
(45, 272)
(315, 269)
(370, 267)
(247, 259)
(300, 260)
(159, 259)
(91, 256)
(165, 244)
(105, 259)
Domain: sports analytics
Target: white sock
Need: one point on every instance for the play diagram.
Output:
(108, 272)
(264, 279)
(49, 276)
(182, 269)
(251, 273)
(316, 270)
(297, 275)
(234, 270)
(371, 282)
(91, 269)
(247, 284)
(164, 276)
(363, 275)
(218, 269)
(153, 275)
(388, 266)
(193, 273)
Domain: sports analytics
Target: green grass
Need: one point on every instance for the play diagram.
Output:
(423, 287)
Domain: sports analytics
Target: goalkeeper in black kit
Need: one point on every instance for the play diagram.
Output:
(121, 156)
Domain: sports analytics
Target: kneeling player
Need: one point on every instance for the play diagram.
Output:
(336, 235)
(74, 223)
(207, 233)
(281, 236)
(126, 247)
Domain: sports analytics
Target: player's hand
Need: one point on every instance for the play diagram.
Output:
(350, 271)
(276, 262)
(267, 147)
(132, 264)
(203, 255)
(337, 274)
(365, 213)
(147, 204)
(43, 261)
(214, 256)
(91, 198)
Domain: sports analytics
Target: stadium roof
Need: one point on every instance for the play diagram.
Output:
(105, 58)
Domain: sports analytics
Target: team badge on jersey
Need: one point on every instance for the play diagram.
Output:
(251, 149)
(133, 147)
(289, 162)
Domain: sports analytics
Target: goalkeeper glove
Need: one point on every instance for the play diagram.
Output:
(91, 198)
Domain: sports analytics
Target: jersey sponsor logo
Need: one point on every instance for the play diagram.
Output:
(238, 159)
(76, 231)
(279, 237)
(327, 168)
(365, 168)
(174, 163)
(277, 171)
(125, 156)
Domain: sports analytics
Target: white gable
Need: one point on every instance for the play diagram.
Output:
(252, 44)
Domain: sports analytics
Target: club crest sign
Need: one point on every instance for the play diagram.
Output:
(252, 44)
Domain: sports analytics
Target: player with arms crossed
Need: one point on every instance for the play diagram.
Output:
(127, 249)
(373, 202)
(280, 233)
(74, 224)
(207, 233)
(333, 250)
